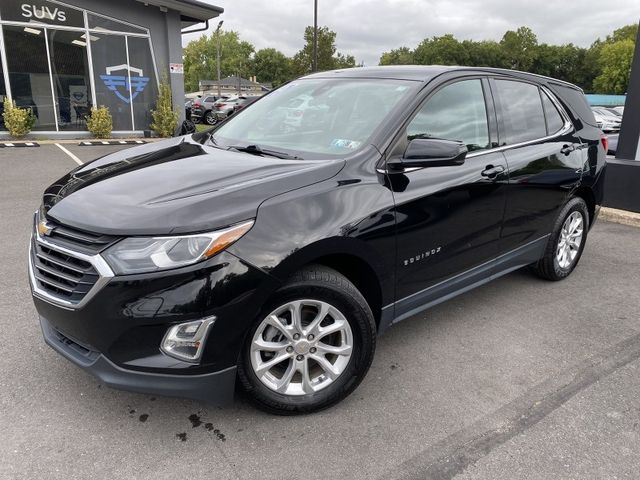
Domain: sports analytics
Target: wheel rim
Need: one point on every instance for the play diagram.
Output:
(301, 347)
(570, 240)
(211, 119)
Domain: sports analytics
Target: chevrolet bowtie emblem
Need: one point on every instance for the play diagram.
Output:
(45, 228)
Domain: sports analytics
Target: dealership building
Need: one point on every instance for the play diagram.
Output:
(62, 58)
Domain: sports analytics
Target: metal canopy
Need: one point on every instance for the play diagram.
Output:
(191, 11)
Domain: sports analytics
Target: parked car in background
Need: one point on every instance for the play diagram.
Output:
(227, 107)
(203, 109)
(612, 143)
(613, 111)
(607, 120)
(244, 103)
(620, 110)
(276, 257)
(188, 102)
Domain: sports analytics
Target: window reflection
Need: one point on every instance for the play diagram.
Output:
(455, 112)
(70, 73)
(522, 110)
(29, 73)
(555, 122)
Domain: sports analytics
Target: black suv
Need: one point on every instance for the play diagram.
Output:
(274, 251)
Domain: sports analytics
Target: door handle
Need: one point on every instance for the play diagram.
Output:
(492, 172)
(567, 149)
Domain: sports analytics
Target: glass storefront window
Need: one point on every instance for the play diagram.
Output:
(41, 11)
(111, 74)
(97, 22)
(49, 69)
(145, 93)
(29, 73)
(71, 83)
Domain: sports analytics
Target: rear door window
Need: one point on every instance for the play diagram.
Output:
(522, 113)
(555, 122)
(455, 112)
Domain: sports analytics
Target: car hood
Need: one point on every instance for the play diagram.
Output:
(175, 186)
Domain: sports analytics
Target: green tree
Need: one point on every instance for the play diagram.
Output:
(328, 59)
(165, 118)
(520, 48)
(564, 62)
(399, 56)
(628, 32)
(444, 50)
(486, 53)
(200, 58)
(615, 63)
(271, 65)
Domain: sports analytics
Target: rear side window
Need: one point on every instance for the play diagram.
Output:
(523, 117)
(555, 122)
(576, 101)
(455, 112)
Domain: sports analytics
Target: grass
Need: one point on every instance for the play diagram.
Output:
(201, 127)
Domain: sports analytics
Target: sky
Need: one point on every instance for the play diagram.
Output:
(366, 28)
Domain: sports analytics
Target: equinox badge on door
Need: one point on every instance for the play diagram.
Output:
(422, 256)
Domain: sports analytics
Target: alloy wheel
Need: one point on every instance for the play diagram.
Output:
(570, 240)
(301, 347)
(211, 118)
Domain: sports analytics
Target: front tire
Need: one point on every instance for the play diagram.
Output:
(566, 243)
(311, 345)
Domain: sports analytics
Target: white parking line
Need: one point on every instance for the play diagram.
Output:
(73, 157)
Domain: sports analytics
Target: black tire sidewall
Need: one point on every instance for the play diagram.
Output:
(363, 329)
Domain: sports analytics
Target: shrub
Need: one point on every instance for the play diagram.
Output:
(100, 122)
(19, 121)
(165, 119)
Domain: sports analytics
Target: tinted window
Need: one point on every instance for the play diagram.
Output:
(555, 122)
(523, 117)
(455, 112)
(576, 102)
(210, 99)
(337, 117)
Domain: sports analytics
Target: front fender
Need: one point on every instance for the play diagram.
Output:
(329, 218)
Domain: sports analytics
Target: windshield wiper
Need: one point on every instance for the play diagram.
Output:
(256, 150)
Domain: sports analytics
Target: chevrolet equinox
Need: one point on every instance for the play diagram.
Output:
(272, 250)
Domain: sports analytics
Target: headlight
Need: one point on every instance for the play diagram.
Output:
(149, 254)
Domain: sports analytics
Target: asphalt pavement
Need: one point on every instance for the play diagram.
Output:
(520, 378)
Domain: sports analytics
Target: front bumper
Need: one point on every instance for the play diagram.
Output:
(216, 388)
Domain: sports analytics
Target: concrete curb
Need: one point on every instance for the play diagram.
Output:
(620, 216)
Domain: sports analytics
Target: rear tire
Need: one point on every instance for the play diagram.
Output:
(566, 243)
(210, 118)
(323, 329)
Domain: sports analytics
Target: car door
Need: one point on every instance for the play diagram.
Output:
(545, 159)
(448, 217)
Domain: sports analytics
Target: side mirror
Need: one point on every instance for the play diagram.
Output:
(430, 152)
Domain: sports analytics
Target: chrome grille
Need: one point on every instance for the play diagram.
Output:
(65, 267)
(79, 240)
(61, 274)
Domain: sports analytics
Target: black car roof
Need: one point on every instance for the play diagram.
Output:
(424, 73)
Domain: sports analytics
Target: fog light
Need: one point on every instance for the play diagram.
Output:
(185, 341)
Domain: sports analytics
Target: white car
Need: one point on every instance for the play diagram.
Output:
(608, 122)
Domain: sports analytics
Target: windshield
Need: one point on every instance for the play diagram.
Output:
(318, 116)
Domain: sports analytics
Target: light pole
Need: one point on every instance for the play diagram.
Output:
(315, 35)
(218, 54)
